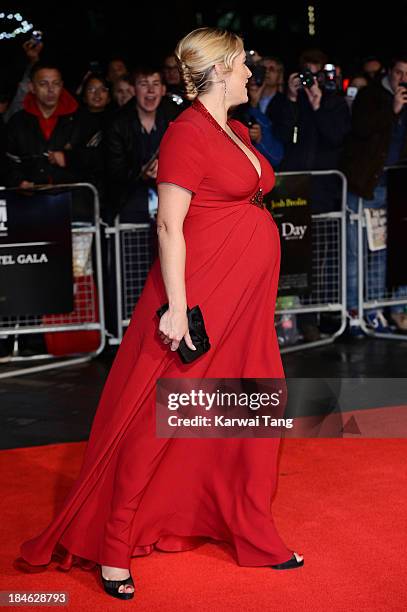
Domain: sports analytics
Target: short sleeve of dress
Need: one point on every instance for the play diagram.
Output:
(181, 158)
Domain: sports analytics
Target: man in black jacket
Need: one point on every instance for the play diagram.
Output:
(4, 104)
(39, 138)
(312, 124)
(378, 138)
(131, 146)
(39, 135)
(132, 143)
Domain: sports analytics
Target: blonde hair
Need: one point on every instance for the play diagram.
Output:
(199, 51)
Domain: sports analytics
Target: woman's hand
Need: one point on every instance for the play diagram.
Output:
(173, 204)
(173, 327)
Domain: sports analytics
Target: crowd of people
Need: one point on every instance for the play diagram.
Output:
(108, 131)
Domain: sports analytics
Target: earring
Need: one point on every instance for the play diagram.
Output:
(224, 82)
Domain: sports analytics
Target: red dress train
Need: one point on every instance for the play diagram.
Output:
(136, 491)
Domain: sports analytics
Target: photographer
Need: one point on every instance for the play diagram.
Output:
(313, 122)
(259, 124)
(312, 125)
(378, 138)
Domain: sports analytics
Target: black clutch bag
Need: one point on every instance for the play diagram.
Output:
(197, 332)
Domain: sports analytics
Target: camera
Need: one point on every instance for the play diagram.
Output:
(306, 78)
(258, 72)
(327, 77)
(176, 98)
(248, 120)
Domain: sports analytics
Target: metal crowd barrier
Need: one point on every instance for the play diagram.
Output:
(328, 281)
(132, 264)
(85, 316)
(132, 243)
(371, 293)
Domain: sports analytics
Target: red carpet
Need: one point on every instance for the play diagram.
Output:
(341, 503)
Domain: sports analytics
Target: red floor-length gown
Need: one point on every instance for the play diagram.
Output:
(136, 491)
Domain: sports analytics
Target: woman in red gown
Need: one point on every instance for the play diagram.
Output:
(219, 248)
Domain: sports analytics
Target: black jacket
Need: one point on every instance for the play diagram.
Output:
(125, 157)
(27, 147)
(3, 159)
(368, 143)
(320, 139)
(275, 106)
(321, 133)
(86, 156)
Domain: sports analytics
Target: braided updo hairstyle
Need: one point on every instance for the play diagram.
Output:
(199, 51)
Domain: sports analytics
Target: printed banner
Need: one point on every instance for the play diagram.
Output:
(376, 228)
(35, 253)
(396, 227)
(289, 203)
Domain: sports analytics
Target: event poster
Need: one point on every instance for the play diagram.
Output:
(396, 227)
(35, 253)
(289, 203)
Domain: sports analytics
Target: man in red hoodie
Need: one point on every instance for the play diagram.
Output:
(39, 136)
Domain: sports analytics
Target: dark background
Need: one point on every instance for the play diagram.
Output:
(75, 34)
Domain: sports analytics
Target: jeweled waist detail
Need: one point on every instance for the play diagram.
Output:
(257, 199)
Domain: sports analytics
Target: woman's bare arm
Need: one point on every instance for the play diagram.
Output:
(173, 204)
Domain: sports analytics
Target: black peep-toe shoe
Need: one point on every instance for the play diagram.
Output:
(112, 586)
(290, 564)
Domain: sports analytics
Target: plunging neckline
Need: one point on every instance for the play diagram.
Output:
(197, 105)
